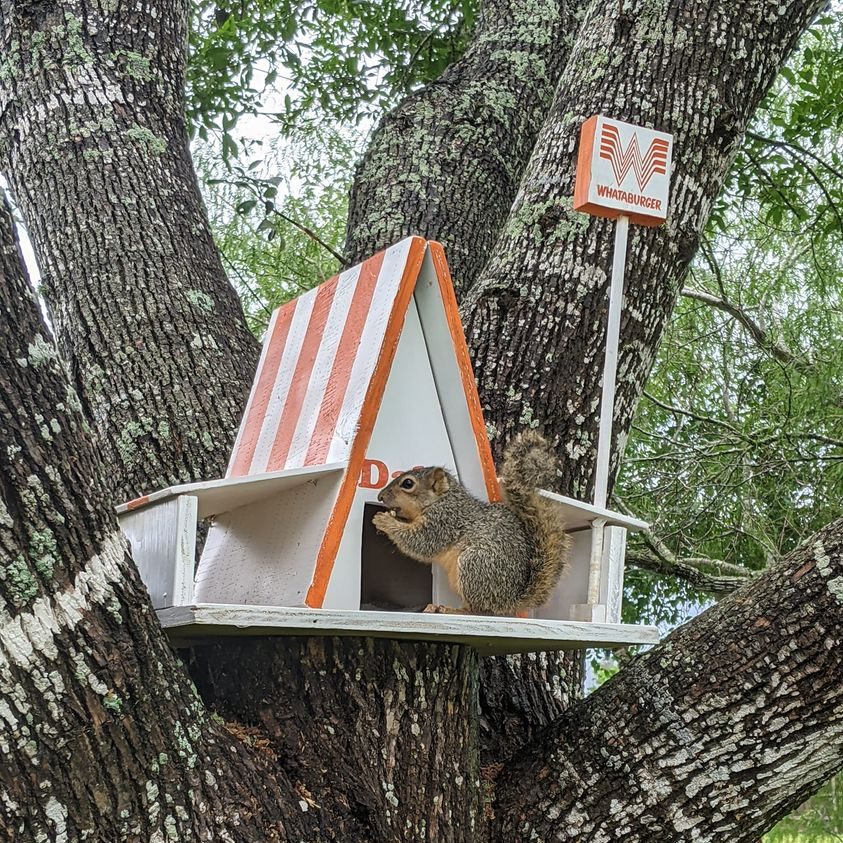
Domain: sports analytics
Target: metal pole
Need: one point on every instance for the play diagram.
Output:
(610, 365)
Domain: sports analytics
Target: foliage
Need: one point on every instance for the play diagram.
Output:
(279, 221)
(737, 447)
(791, 162)
(351, 58)
(820, 820)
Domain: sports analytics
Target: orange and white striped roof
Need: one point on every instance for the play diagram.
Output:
(319, 356)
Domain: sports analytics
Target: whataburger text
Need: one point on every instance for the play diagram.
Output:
(606, 192)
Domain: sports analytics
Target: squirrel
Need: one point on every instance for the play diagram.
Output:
(500, 557)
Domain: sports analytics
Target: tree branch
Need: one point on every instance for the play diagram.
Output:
(645, 752)
(309, 232)
(713, 575)
(687, 569)
(795, 147)
(774, 347)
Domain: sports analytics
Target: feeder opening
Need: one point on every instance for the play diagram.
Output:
(390, 581)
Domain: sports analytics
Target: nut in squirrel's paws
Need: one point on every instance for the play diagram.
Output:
(382, 520)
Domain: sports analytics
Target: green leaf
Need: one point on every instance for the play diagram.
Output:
(244, 207)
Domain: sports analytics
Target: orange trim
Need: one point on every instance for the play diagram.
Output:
(583, 180)
(371, 404)
(137, 502)
(301, 376)
(352, 334)
(613, 214)
(256, 411)
(472, 399)
(588, 130)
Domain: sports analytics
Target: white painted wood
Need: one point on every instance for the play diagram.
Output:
(588, 612)
(578, 515)
(368, 352)
(610, 363)
(264, 553)
(409, 431)
(322, 366)
(487, 634)
(185, 563)
(573, 587)
(595, 560)
(253, 393)
(612, 572)
(218, 496)
(616, 177)
(283, 378)
(163, 546)
(446, 373)
(268, 528)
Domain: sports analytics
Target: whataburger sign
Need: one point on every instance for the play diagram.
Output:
(623, 170)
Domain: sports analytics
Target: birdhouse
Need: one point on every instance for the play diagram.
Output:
(359, 379)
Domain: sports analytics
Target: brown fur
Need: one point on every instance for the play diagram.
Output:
(500, 557)
(429, 484)
(530, 464)
(449, 560)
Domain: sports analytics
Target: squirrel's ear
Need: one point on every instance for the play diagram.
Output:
(440, 481)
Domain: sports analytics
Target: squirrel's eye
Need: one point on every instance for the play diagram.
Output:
(408, 483)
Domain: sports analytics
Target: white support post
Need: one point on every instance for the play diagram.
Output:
(594, 610)
(594, 567)
(610, 364)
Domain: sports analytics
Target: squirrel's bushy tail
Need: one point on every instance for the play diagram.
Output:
(528, 465)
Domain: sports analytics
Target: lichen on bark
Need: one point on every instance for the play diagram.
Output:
(129, 270)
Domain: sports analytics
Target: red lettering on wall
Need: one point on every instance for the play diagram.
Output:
(373, 475)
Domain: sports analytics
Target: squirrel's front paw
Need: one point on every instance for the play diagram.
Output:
(383, 521)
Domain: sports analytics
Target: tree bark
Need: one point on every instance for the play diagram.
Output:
(136, 722)
(447, 161)
(390, 725)
(715, 735)
(104, 737)
(522, 695)
(536, 319)
(94, 143)
(131, 275)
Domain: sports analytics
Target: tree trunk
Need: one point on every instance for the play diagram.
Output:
(391, 725)
(536, 320)
(447, 161)
(103, 735)
(112, 267)
(106, 699)
(94, 144)
(520, 696)
(715, 735)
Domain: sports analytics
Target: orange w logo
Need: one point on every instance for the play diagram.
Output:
(624, 160)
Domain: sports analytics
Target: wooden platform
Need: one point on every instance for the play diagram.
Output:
(190, 625)
(215, 497)
(578, 515)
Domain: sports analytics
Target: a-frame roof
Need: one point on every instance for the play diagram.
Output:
(327, 355)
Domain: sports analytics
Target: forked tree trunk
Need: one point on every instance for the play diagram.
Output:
(117, 240)
(536, 319)
(447, 161)
(93, 141)
(713, 736)
(103, 736)
(135, 725)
